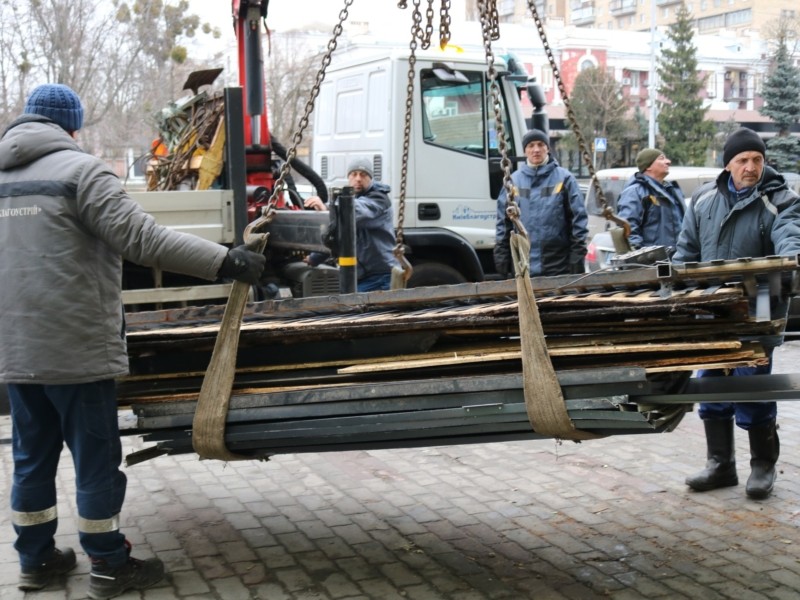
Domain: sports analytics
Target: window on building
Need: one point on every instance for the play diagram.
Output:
(703, 4)
(739, 17)
(547, 77)
(710, 23)
(506, 7)
(635, 81)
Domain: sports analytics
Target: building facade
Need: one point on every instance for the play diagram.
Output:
(710, 16)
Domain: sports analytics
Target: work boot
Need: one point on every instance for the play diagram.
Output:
(107, 582)
(720, 468)
(764, 450)
(40, 576)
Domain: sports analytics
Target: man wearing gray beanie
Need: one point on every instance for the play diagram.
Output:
(749, 211)
(375, 237)
(68, 224)
(650, 204)
(551, 209)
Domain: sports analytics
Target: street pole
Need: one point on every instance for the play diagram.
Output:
(651, 88)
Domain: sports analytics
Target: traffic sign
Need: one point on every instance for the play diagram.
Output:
(600, 144)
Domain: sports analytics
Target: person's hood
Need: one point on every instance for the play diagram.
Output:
(29, 138)
(379, 187)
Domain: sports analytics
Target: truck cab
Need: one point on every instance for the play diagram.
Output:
(453, 163)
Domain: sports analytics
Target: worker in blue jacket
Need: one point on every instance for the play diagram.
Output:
(749, 211)
(652, 206)
(552, 210)
(375, 237)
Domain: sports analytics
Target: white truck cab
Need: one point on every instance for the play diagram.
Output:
(454, 175)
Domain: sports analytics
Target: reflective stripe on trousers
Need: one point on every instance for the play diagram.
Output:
(84, 416)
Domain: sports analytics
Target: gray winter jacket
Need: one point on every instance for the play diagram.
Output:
(766, 222)
(66, 223)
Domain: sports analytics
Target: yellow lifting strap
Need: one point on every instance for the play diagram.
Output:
(544, 402)
(208, 424)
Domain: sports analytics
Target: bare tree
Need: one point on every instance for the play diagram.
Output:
(292, 66)
(120, 57)
(602, 112)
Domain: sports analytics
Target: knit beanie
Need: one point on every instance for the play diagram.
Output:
(58, 103)
(535, 135)
(360, 164)
(742, 140)
(647, 157)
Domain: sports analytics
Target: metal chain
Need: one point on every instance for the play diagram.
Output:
(444, 24)
(297, 137)
(587, 157)
(416, 29)
(489, 26)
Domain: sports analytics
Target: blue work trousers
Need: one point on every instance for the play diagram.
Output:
(85, 417)
(375, 282)
(748, 414)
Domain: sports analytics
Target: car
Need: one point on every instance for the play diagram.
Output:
(612, 182)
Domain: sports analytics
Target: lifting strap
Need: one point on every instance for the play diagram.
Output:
(208, 424)
(544, 401)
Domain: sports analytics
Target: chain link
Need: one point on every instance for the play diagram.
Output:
(297, 137)
(444, 24)
(582, 146)
(488, 27)
(416, 31)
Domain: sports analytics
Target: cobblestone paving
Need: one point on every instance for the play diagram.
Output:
(605, 518)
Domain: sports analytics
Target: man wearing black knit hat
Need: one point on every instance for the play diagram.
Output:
(551, 209)
(749, 211)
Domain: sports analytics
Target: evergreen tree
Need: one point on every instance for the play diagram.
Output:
(681, 119)
(781, 93)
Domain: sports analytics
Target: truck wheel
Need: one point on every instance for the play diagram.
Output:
(430, 273)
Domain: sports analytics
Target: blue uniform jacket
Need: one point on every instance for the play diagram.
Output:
(553, 212)
(655, 211)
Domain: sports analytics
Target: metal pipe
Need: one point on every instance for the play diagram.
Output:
(348, 262)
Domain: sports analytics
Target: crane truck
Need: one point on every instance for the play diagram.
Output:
(448, 232)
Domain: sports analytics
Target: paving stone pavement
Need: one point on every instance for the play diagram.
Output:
(607, 518)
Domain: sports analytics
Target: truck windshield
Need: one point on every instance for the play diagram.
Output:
(454, 112)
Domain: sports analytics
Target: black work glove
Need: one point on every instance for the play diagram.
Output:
(242, 264)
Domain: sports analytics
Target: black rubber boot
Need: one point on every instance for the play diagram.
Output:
(764, 450)
(720, 468)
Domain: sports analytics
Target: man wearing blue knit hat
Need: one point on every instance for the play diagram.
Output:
(66, 224)
(58, 103)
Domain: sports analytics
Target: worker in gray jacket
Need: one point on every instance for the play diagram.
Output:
(551, 209)
(747, 212)
(66, 224)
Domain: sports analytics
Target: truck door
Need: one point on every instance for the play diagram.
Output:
(453, 173)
